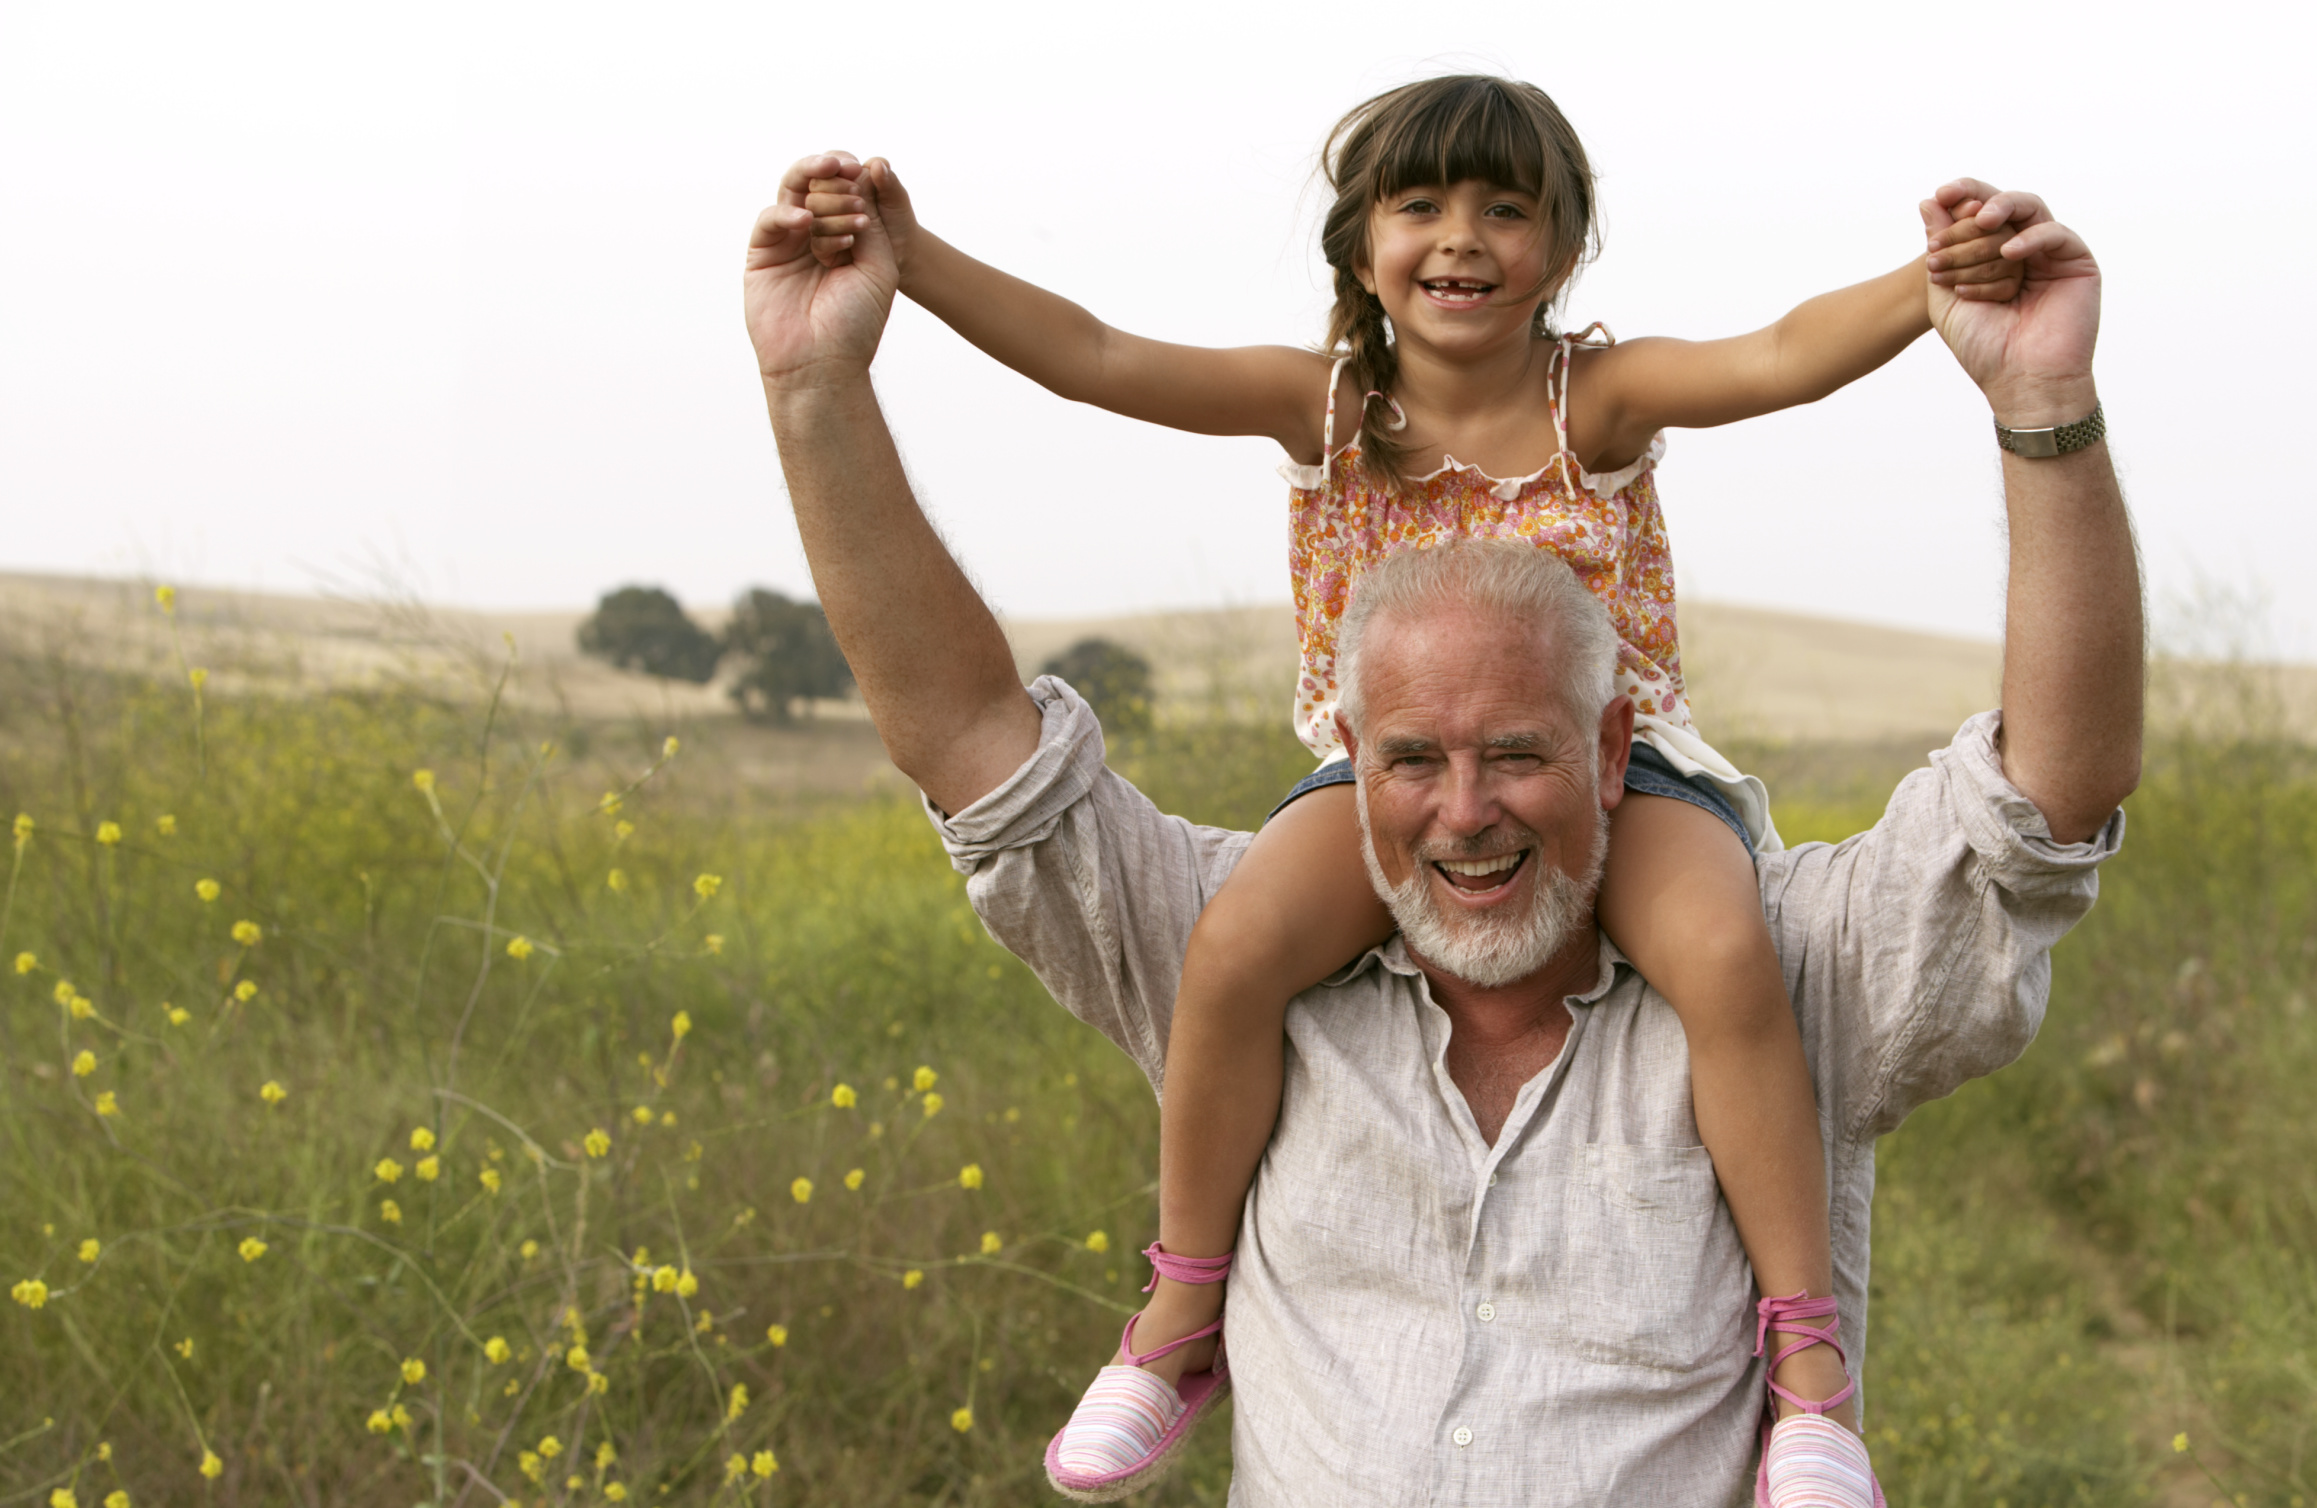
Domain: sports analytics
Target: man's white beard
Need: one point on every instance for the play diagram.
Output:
(1490, 949)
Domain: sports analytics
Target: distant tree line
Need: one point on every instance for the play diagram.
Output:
(784, 653)
(782, 649)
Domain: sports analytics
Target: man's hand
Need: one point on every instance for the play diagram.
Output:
(814, 323)
(2032, 357)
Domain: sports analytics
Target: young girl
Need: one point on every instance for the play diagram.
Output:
(1463, 206)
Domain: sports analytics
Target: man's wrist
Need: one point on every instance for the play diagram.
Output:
(797, 396)
(2042, 403)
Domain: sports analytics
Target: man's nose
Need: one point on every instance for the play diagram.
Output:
(1468, 802)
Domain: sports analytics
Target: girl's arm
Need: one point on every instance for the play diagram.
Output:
(1246, 390)
(1636, 388)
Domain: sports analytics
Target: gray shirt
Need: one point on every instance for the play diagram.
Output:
(1566, 1316)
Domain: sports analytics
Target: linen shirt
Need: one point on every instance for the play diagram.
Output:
(1417, 1316)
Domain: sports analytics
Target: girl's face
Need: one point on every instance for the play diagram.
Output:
(1460, 268)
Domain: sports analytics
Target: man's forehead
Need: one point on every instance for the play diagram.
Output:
(1463, 675)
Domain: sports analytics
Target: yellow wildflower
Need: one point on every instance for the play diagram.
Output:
(519, 948)
(514, 1386)
(390, 1212)
(90, 1249)
(107, 1105)
(597, 1142)
(923, 1079)
(528, 1250)
(706, 885)
(108, 833)
(681, 1024)
(1098, 1241)
(641, 1115)
(614, 1492)
(166, 595)
(714, 942)
(378, 1423)
(272, 1092)
(576, 1359)
(401, 1417)
(165, 825)
(26, 963)
(970, 1176)
(739, 1403)
(423, 779)
(421, 1139)
(428, 1169)
(735, 1468)
(844, 1096)
(84, 1063)
(63, 1498)
(388, 1170)
(251, 1248)
(991, 1245)
(609, 805)
(82, 1007)
(706, 1323)
(892, 1083)
(496, 1350)
(184, 1348)
(912, 1278)
(605, 1455)
(117, 1498)
(598, 1382)
(247, 933)
(177, 1014)
(206, 889)
(104, 1450)
(211, 1467)
(664, 1280)
(2180, 1442)
(530, 1465)
(686, 1284)
(853, 1177)
(490, 1179)
(777, 1334)
(31, 1293)
(693, 1152)
(550, 1447)
(64, 992)
(668, 749)
(961, 1420)
(763, 1463)
(801, 1191)
(618, 881)
(24, 826)
(246, 991)
(667, 1117)
(933, 1104)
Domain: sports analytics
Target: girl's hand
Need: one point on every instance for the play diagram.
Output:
(1970, 260)
(2033, 356)
(811, 320)
(842, 202)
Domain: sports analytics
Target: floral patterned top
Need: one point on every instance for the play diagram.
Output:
(1606, 527)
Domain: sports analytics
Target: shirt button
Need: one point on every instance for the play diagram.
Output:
(1462, 1436)
(1492, 1180)
(1486, 1312)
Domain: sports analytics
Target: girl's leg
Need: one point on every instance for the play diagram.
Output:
(1680, 899)
(1298, 907)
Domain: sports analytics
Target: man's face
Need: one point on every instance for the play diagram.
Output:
(1484, 801)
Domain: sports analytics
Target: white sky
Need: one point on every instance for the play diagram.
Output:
(287, 291)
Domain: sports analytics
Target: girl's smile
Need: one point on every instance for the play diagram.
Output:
(1438, 256)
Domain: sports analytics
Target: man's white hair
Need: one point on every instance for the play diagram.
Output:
(1509, 577)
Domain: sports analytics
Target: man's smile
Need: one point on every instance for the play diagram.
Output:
(1481, 877)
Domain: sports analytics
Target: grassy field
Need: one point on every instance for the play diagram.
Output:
(578, 1120)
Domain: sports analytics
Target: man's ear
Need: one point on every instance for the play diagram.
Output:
(1616, 749)
(1351, 740)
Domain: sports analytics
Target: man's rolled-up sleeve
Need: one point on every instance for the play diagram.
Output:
(1077, 874)
(1918, 952)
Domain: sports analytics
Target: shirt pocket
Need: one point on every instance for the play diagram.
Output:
(1651, 1271)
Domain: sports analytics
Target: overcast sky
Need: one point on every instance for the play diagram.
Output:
(296, 293)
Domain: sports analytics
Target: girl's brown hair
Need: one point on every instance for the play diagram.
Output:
(1442, 131)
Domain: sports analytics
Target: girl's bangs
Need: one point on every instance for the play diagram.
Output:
(1478, 131)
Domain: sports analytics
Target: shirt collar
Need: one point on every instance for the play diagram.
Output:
(1391, 956)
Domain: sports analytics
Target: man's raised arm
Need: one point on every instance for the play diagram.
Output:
(2073, 645)
(929, 658)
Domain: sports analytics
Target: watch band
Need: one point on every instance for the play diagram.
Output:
(2058, 440)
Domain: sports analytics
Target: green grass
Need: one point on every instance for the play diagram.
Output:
(2100, 1248)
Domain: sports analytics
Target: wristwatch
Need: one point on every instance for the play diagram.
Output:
(2059, 440)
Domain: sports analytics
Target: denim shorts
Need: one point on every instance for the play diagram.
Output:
(1647, 773)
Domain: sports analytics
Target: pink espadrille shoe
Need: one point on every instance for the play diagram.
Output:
(1125, 1432)
(1808, 1460)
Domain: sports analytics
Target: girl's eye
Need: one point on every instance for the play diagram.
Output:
(1418, 207)
(1506, 211)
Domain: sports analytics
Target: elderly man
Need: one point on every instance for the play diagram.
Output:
(1484, 1260)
